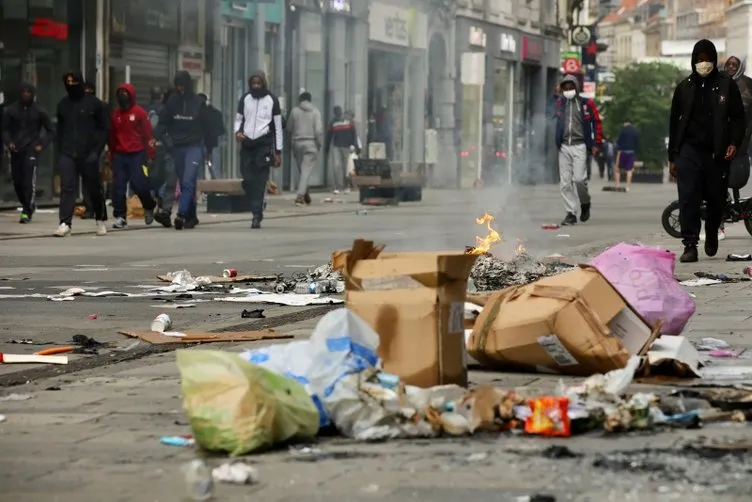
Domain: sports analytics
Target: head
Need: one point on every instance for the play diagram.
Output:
(90, 87)
(203, 98)
(27, 94)
(305, 97)
(627, 122)
(183, 83)
(126, 96)
(257, 84)
(569, 86)
(735, 67)
(74, 84)
(156, 93)
(337, 111)
(704, 58)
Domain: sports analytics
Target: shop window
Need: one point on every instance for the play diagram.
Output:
(190, 34)
(386, 101)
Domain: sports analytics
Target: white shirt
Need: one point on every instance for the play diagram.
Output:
(256, 118)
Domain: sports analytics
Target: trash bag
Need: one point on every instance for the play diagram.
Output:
(644, 276)
(342, 344)
(238, 408)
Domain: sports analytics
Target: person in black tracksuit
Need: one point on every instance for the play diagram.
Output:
(23, 125)
(706, 129)
(82, 132)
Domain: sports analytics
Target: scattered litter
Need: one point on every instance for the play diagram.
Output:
(161, 323)
(563, 236)
(185, 279)
(88, 342)
(288, 299)
(185, 440)
(550, 226)
(709, 343)
(725, 353)
(54, 388)
(739, 257)
(253, 314)
(198, 480)
(238, 473)
(174, 306)
(537, 497)
(229, 273)
(55, 350)
(748, 271)
(128, 347)
(157, 338)
(693, 283)
(92, 316)
(16, 397)
(492, 274)
(674, 356)
(29, 341)
(2, 418)
(32, 359)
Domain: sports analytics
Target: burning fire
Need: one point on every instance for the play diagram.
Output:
(483, 244)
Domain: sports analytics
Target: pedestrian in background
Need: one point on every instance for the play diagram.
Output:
(740, 166)
(82, 132)
(258, 129)
(609, 151)
(131, 143)
(626, 150)
(26, 131)
(706, 129)
(215, 129)
(182, 128)
(342, 137)
(578, 132)
(307, 135)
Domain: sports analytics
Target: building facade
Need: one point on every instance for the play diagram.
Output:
(739, 28)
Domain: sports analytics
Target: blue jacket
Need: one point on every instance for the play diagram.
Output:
(628, 139)
(591, 121)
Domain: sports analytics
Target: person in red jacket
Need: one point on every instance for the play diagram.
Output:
(131, 143)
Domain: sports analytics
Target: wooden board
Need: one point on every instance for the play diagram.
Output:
(156, 338)
(216, 279)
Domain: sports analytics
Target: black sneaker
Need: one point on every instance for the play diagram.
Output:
(179, 223)
(689, 255)
(711, 243)
(256, 223)
(163, 218)
(307, 199)
(569, 220)
(190, 223)
(585, 213)
(299, 200)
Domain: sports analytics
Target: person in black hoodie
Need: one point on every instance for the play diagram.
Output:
(183, 128)
(706, 129)
(22, 126)
(82, 131)
(88, 214)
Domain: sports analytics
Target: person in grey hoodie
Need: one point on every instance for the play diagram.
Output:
(307, 134)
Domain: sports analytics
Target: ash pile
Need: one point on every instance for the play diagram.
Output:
(319, 280)
(491, 273)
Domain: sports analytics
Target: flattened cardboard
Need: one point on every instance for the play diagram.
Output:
(416, 303)
(223, 186)
(156, 338)
(216, 279)
(574, 323)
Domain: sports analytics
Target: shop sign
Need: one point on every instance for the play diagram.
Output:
(532, 48)
(191, 60)
(397, 26)
(477, 37)
(47, 28)
(507, 43)
(239, 9)
(146, 20)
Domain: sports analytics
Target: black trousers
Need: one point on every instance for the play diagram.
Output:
(23, 168)
(700, 177)
(70, 170)
(255, 166)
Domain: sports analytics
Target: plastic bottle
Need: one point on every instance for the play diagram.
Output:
(361, 212)
(302, 288)
(198, 481)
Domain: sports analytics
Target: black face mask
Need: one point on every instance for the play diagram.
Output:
(74, 90)
(27, 100)
(124, 101)
(258, 92)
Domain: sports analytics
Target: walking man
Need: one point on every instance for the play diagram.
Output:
(626, 150)
(131, 143)
(26, 131)
(258, 129)
(342, 137)
(706, 129)
(182, 128)
(82, 132)
(307, 134)
(215, 129)
(578, 132)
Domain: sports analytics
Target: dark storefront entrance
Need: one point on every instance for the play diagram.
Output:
(39, 41)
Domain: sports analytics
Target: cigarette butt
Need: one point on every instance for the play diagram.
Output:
(54, 350)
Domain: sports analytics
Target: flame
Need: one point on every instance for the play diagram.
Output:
(520, 247)
(483, 244)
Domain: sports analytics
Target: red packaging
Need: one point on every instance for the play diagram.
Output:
(229, 272)
(549, 417)
(550, 226)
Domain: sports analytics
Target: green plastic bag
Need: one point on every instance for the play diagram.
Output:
(237, 407)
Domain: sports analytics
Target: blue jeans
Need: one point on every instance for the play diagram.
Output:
(188, 161)
(128, 168)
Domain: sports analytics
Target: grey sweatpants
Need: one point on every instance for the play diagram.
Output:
(340, 156)
(573, 177)
(305, 152)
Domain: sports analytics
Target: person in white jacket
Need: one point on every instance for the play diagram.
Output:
(307, 135)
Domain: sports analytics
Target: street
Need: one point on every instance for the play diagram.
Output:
(92, 428)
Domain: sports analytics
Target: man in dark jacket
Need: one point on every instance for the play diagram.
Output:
(88, 214)
(215, 129)
(626, 150)
(258, 128)
(740, 166)
(706, 129)
(578, 133)
(182, 128)
(82, 130)
(26, 131)
(342, 138)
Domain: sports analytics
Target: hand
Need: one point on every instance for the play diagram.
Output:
(730, 152)
(239, 136)
(12, 147)
(672, 169)
(277, 160)
(38, 148)
(595, 151)
(152, 143)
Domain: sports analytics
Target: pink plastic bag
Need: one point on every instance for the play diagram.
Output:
(645, 278)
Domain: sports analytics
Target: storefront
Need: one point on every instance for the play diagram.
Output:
(39, 41)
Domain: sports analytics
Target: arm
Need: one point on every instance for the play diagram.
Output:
(165, 120)
(318, 130)
(597, 124)
(619, 140)
(111, 138)
(673, 124)
(6, 137)
(277, 125)
(147, 133)
(48, 126)
(240, 116)
(737, 122)
(60, 125)
(102, 125)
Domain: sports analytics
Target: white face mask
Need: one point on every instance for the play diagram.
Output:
(569, 94)
(704, 69)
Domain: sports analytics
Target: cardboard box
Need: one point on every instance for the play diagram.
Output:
(573, 323)
(416, 303)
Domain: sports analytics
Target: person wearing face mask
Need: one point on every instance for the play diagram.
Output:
(131, 142)
(706, 129)
(578, 133)
(258, 128)
(740, 166)
(26, 131)
(82, 132)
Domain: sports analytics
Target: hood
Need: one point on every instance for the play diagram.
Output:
(184, 78)
(89, 84)
(264, 91)
(742, 67)
(706, 47)
(573, 79)
(260, 74)
(27, 86)
(306, 106)
(131, 91)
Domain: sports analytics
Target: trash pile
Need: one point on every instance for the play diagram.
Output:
(491, 273)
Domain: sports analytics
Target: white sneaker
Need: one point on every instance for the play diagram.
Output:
(721, 234)
(336, 192)
(62, 231)
(101, 228)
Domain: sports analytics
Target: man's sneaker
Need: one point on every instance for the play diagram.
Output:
(102, 228)
(62, 231)
(711, 243)
(163, 218)
(300, 200)
(569, 220)
(306, 199)
(190, 223)
(119, 223)
(721, 234)
(24, 218)
(335, 192)
(179, 223)
(585, 213)
(689, 255)
(148, 216)
(256, 223)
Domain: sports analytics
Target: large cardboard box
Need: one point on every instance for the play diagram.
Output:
(573, 323)
(416, 303)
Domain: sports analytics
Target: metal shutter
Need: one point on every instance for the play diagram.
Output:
(150, 66)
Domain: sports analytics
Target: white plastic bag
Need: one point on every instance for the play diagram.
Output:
(342, 344)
